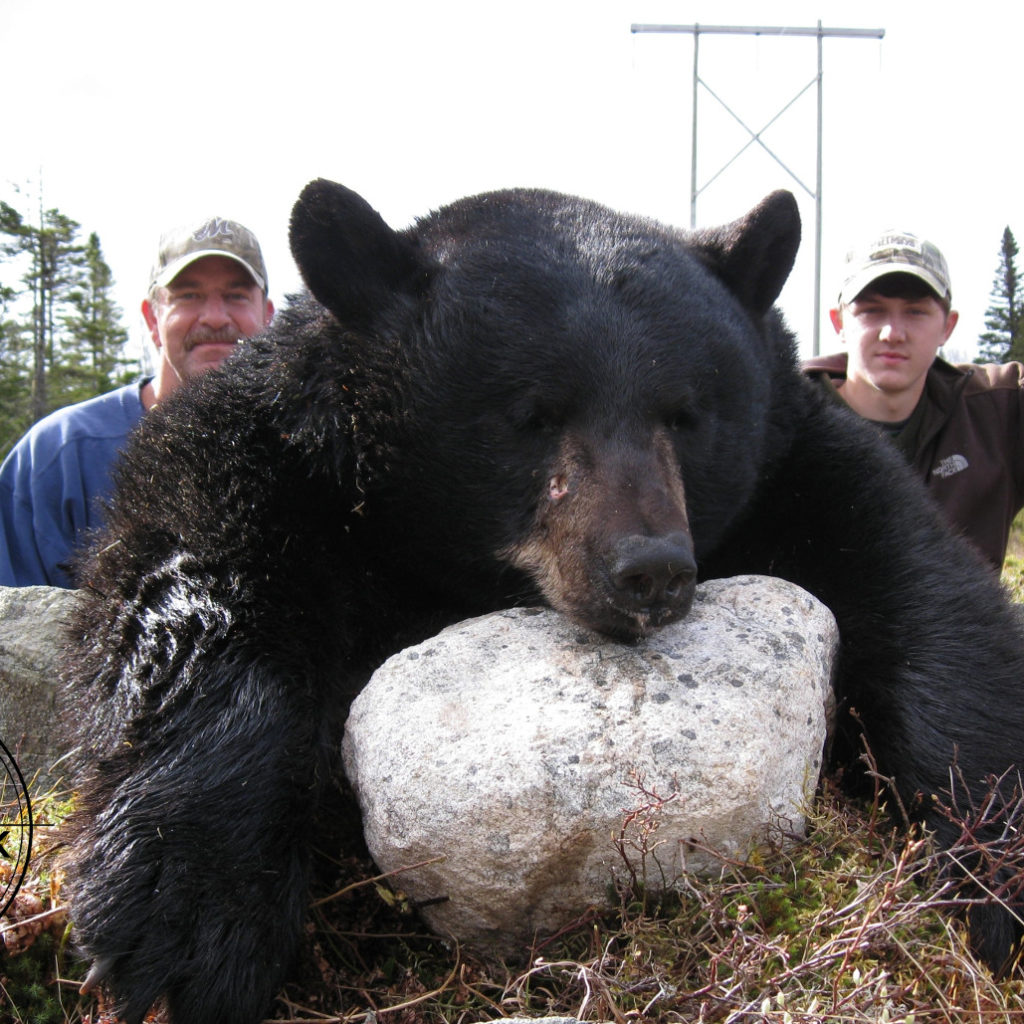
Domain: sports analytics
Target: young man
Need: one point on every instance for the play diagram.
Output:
(208, 291)
(960, 427)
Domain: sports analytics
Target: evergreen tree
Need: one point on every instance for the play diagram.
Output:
(95, 361)
(61, 335)
(1004, 339)
(49, 256)
(14, 380)
(15, 338)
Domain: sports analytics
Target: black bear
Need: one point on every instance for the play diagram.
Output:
(525, 397)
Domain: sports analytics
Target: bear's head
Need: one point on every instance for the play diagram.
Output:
(585, 396)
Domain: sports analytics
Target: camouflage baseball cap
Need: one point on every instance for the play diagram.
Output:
(895, 252)
(212, 237)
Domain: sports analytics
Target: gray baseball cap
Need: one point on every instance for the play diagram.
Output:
(895, 252)
(214, 236)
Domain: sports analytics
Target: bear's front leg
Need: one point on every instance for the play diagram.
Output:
(189, 872)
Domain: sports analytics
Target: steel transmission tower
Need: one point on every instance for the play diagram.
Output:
(818, 33)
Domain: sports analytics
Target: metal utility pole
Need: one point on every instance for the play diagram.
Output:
(753, 30)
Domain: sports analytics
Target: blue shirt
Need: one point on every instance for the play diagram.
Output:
(52, 481)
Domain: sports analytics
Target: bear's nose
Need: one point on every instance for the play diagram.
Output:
(653, 572)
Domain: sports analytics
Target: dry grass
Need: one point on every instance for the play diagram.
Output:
(849, 924)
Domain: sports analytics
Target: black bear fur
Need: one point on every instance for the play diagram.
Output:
(525, 397)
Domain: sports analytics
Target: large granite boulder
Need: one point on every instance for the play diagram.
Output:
(520, 760)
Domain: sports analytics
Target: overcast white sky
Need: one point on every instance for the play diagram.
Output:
(136, 116)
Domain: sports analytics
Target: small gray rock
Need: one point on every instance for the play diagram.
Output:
(31, 622)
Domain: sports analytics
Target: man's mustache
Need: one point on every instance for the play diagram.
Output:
(209, 336)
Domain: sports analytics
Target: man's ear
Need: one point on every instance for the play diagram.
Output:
(149, 315)
(952, 317)
(836, 316)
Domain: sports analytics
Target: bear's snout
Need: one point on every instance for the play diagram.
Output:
(655, 576)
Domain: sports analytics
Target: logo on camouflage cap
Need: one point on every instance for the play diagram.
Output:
(212, 237)
(895, 252)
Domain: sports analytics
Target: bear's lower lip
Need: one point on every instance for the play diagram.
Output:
(630, 625)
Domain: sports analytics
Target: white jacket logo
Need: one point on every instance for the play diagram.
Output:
(950, 466)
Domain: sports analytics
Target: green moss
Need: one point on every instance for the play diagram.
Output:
(1013, 566)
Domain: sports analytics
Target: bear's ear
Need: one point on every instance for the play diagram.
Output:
(350, 259)
(754, 255)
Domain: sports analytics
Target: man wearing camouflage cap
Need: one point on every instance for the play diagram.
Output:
(208, 291)
(961, 427)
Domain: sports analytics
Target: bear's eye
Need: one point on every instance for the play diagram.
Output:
(542, 422)
(680, 420)
(536, 417)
